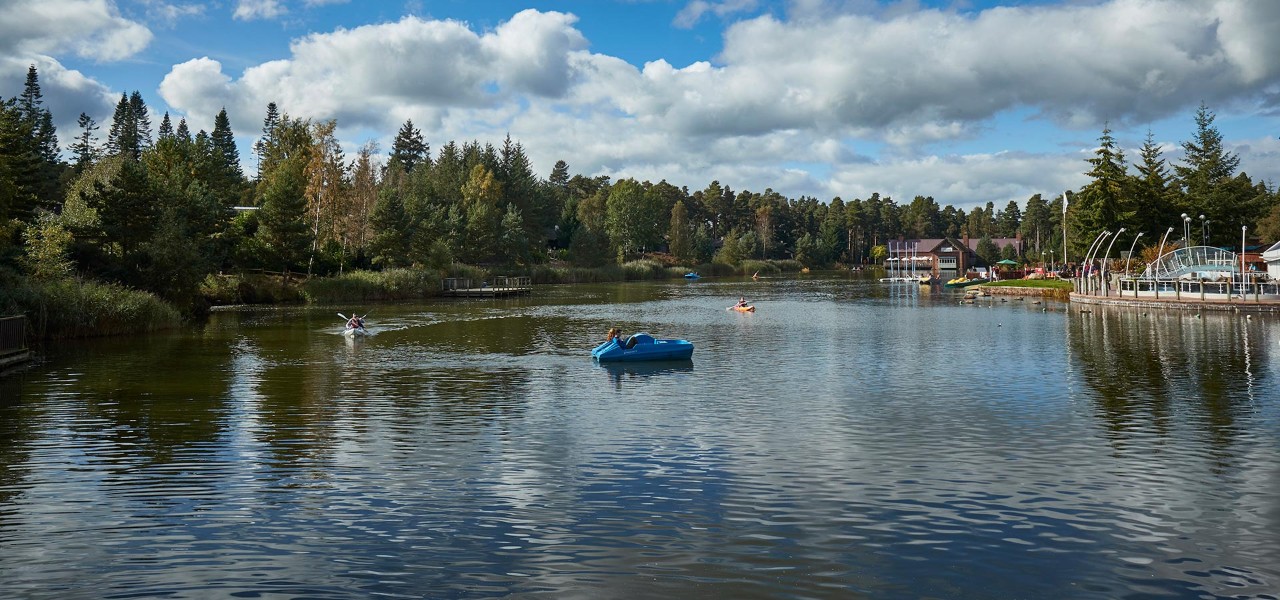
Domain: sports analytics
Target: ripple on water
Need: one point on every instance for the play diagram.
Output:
(846, 439)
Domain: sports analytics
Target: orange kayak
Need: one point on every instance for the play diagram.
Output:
(744, 308)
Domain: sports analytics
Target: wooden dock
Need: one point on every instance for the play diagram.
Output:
(13, 347)
(494, 287)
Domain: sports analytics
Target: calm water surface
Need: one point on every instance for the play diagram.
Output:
(848, 440)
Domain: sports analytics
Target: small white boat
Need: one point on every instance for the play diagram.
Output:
(355, 332)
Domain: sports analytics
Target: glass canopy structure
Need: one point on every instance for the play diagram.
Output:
(1196, 262)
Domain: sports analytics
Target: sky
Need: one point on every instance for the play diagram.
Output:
(966, 101)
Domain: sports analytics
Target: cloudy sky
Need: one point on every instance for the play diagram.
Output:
(965, 101)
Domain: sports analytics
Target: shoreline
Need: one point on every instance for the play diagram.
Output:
(1263, 306)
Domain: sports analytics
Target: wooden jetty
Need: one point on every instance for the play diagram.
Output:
(466, 287)
(13, 346)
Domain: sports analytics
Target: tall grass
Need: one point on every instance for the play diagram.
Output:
(372, 286)
(69, 308)
(250, 288)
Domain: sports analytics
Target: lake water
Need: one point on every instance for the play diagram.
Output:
(850, 439)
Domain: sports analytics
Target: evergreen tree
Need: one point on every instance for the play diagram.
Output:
(85, 149)
(1103, 204)
(284, 231)
(166, 128)
(987, 251)
(141, 121)
(260, 147)
(182, 134)
(224, 145)
(560, 174)
(1009, 220)
(513, 244)
(1154, 196)
(41, 122)
(390, 223)
(120, 138)
(1208, 182)
(409, 149)
(1037, 224)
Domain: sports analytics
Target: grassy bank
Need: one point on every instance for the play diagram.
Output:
(69, 308)
(1050, 288)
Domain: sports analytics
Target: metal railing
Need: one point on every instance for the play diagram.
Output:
(13, 334)
(1250, 290)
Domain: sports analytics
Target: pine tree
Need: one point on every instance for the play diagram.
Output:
(85, 149)
(1105, 203)
(267, 140)
(121, 137)
(224, 144)
(141, 120)
(41, 120)
(1152, 190)
(37, 164)
(560, 174)
(166, 128)
(182, 134)
(409, 149)
(1208, 181)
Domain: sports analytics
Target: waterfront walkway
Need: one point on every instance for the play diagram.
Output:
(1176, 303)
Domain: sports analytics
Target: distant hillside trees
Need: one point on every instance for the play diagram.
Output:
(155, 211)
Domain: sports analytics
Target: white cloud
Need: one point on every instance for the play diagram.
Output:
(33, 32)
(787, 101)
(695, 10)
(92, 29)
(248, 10)
(169, 14)
(364, 75)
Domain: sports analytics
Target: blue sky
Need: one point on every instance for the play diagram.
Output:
(965, 101)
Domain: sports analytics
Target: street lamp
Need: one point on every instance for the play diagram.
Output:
(1204, 231)
(1243, 229)
(1102, 278)
(1064, 228)
(1052, 262)
(1130, 257)
(1186, 228)
(1160, 253)
(1086, 270)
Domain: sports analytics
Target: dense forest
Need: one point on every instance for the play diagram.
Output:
(163, 209)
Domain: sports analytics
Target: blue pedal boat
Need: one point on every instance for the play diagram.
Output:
(643, 346)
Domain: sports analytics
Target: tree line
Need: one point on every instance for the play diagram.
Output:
(162, 211)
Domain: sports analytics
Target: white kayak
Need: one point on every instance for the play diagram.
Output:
(355, 332)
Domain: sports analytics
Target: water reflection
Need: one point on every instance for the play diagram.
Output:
(618, 371)
(846, 440)
(1147, 366)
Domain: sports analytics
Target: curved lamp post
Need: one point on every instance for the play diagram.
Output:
(1243, 229)
(1088, 259)
(1130, 257)
(1160, 253)
(1102, 278)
